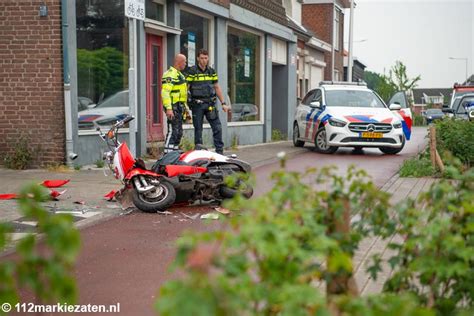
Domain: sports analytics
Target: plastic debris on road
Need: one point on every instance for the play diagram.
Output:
(8, 196)
(193, 217)
(54, 183)
(222, 210)
(210, 216)
(110, 196)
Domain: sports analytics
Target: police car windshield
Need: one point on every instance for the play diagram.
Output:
(353, 98)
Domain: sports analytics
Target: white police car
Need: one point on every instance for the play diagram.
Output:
(342, 114)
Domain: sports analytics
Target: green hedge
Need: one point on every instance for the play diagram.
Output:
(457, 136)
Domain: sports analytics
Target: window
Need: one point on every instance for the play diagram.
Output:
(318, 97)
(353, 98)
(195, 35)
(155, 10)
(301, 88)
(102, 62)
(337, 13)
(309, 97)
(244, 76)
(400, 99)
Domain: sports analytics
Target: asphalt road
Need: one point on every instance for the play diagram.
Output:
(126, 259)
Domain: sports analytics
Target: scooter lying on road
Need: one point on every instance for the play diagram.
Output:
(196, 175)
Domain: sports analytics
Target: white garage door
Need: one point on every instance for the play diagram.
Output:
(316, 76)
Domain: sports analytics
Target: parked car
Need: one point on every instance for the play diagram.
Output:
(85, 103)
(351, 115)
(431, 115)
(106, 113)
(244, 112)
(462, 107)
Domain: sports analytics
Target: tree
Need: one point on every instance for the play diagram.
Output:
(398, 77)
(380, 84)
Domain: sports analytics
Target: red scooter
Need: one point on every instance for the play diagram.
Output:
(196, 175)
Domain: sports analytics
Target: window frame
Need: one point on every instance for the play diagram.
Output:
(93, 132)
(165, 20)
(337, 28)
(211, 26)
(262, 72)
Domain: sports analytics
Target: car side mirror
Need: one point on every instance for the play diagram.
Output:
(447, 110)
(315, 104)
(395, 107)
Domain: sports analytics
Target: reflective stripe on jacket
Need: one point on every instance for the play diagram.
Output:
(174, 88)
(201, 82)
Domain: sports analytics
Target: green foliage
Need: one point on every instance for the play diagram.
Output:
(100, 163)
(186, 144)
(77, 167)
(277, 135)
(21, 155)
(47, 272)
(380, 84)
(436, 258)
(101, 72)
(456, 136)
(387, 85)
(271, 256)
(399, 78)
(418, 120)
(235, 141)
(419, 166)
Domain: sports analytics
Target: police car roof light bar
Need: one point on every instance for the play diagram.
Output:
(343, 83)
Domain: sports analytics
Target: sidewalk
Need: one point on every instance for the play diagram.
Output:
(90, 186)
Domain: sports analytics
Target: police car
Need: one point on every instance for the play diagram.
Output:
(342, 114)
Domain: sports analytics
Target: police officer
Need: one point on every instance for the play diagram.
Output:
(174, 97)
(203, 90)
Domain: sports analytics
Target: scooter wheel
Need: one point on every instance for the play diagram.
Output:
(156, 200)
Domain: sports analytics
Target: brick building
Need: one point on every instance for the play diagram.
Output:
(31, 81)
(249, 42)
(325, 18)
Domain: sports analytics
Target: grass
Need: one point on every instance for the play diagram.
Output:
(186, 144)
(235, 142)
(99, 163)
(57, 167)
(417, 167)
(277, 135)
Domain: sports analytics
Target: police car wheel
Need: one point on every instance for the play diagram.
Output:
(320, 141)
(392, 150)
(296, 135)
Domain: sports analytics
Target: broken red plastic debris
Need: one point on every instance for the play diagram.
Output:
(8, 196)
(110, 196)
(55, 194)
(54, 183)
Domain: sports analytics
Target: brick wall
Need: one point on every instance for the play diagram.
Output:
(319, 19)
(31, 90)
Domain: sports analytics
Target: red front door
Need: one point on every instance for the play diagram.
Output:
(154, 71)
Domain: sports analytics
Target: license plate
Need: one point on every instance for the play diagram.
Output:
(371, 135)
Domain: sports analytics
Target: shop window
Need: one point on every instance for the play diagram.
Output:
(102, 63)
(244, 76)
(195, 35)
(155, 10)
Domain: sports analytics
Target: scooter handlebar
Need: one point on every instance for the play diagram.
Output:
(128, 119)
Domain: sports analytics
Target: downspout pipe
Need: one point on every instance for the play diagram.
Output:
(70, 155)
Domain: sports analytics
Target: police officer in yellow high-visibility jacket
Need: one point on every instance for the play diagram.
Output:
(174, 96)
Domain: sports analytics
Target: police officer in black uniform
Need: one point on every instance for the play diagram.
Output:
(204, 89)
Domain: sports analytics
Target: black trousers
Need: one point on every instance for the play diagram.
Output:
(175, 129)
(212, 115)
